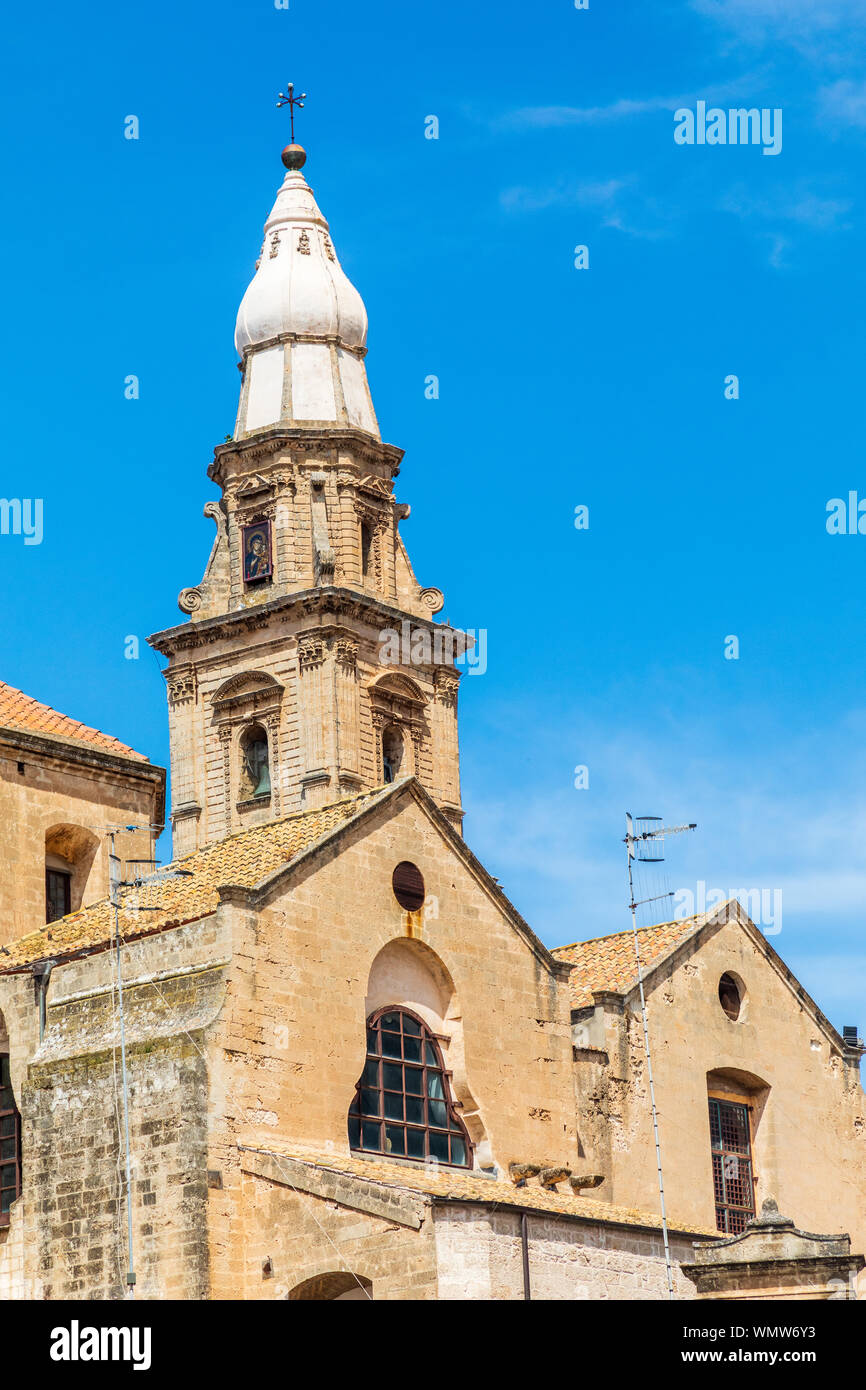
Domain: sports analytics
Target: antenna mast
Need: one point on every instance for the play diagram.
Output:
(645, 844)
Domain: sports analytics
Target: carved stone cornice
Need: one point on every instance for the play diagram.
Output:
(301, 444)
(325, 603)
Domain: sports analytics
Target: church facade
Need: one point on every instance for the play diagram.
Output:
(352, 1070)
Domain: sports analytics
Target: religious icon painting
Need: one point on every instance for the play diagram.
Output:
(256, 549)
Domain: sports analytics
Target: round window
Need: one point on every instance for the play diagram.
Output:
(730, 996)
(408, 885)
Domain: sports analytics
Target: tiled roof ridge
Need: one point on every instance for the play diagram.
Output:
(607, 963)
(195, 894)
(25, 714)
(237, 835)
(627, 931)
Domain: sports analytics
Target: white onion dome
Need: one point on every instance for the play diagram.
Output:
(302, 327)
(299, 286)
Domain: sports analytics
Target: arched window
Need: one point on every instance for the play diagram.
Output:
(403, 1105)
(255, 771)
(392, 753)
(10, 1137)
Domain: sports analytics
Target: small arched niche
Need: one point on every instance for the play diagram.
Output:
(255, 772)
(393, 753)
(70, 851)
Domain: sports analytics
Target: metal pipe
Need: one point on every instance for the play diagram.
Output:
(524, 1243)
(42, 975)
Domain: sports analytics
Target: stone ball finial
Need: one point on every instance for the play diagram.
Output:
(294, 156)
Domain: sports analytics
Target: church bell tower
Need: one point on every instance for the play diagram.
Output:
(309, 666)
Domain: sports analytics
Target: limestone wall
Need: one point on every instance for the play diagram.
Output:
(810, 1110)
(479, 1256)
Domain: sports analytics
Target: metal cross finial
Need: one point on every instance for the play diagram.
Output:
(292, 101)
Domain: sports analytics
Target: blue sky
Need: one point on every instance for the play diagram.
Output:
(558, 387)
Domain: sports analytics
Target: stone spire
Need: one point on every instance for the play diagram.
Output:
(310, 666)
(302, 327)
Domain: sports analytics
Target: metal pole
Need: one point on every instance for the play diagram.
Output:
(649, 1069)
(114, 877)
(524, 1244)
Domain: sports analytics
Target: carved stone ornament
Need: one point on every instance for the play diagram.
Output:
(252, 486)
(378, 486)
(447, 687)
(275, 245)
(311, 651)
(189, 600)
(181, 687)
(432, 599)
(304, 243)
(346, 652)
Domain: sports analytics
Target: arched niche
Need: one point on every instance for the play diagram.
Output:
(70, 851)
(246, 709)
(398, 709)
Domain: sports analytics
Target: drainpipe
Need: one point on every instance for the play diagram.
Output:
(41, 978)
(524, 1243)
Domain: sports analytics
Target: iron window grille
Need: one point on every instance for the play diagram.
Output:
(403, 1105)
(10, 1143)
(730, 1138)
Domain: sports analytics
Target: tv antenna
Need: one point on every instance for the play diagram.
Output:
(644, 841)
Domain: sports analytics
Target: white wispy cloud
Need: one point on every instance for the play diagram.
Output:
(521, 198)
(626, 108)
(843, 103)
(778, 215)
(619, 203)
(551, 117)
(800, 22)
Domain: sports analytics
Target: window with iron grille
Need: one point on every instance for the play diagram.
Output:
(403, 1105)
(10, 1143)
(730, 1139)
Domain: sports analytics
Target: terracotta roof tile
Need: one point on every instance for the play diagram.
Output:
(243, 859)
(608, 962)
(20, 711)
(438, 1181)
